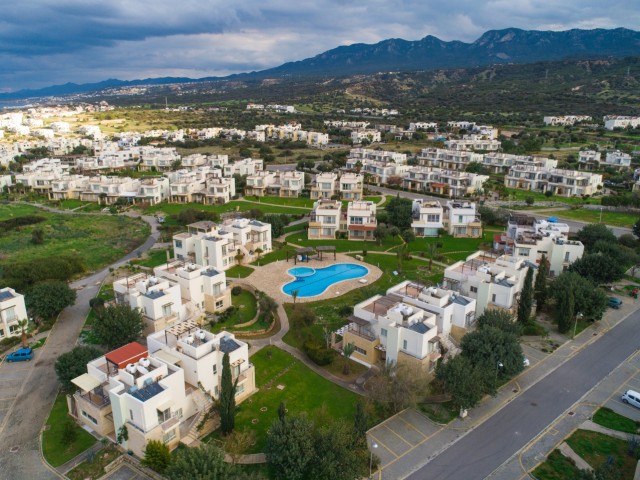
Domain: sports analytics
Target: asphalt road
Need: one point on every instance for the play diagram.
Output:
(573, 224)
(29, 411)
(484, 449)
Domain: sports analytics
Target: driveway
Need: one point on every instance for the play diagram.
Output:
(33, 386)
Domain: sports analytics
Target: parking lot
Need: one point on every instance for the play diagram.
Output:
(126, 472)
(12, 377)
(616, 404)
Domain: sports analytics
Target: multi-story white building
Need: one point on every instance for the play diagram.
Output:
(422, 126)
(448, 159)
(185, 184)
(351, 186)
(357, 136)
(68, 187)
(248, 166)
(258, 183)
(325, 219)
(383, 156)
(566, 119)
(41, 174)
(526, 178)
(286, 184)
(216, 190)
(162, 159)
(618, 159)
(493, 281)
(361, 220)
(473, 142)
(324, 185)
(428, 218)
(462, 220)
(12, 310)
(155, 392)
(153, 190)
(225, 245)
(566, 183)
(108, 190)
(589, 159)
(158, 299)
(5, 181)
(618, 121)
(500, 163)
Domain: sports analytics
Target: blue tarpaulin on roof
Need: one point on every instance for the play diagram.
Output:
(552, 219)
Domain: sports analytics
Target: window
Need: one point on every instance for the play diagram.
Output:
(566, 256)
(13, 329)
(131, 414)
(239, 389)
(89, 417)
(164, 415)
(177, 413)
(219, 303)
(178, 243)
(1, 332)
(235, 370)
(473, 289)
(524, 252)
(10, 314)
(360, 350)
(383, 332)
(493, 298)
(216, 391)
(217, 288)
(355, 220)
(433, 218)
(404, 344)
(166, 310)
(170, 435)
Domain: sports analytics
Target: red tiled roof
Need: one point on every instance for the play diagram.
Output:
(129, 353)
(362, 227)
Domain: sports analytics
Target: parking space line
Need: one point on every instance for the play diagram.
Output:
(412, 427)
(380, 443)
(397, 435)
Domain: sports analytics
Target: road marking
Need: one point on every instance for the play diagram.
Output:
(397, 435)
(411, 426)
(385, 447)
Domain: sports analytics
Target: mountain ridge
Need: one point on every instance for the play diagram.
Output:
(509, 45)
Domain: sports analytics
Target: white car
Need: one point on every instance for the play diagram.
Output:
(525, 362)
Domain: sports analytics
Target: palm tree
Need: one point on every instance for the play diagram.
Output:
(294, 295)
(432, 251)
(259, 252)
(239, 256)
(347, 351)
(23, 324)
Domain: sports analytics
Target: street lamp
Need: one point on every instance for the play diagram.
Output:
(575, 325)
(499, 365)
(374, 445)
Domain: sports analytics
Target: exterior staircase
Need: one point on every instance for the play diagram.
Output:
(448, 343)
(193, 435)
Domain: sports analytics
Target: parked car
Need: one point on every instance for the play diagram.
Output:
(21, 355)
(615, 302)
(631, 397)
(525, 362)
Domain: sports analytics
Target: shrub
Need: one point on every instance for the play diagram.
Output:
(318, 353)
(9, 341)
(236, 290)
(96, 303)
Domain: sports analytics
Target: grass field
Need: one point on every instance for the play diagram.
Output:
(541, 197)
(301, 239)
(304, 392)
(453, 249)
(614, 219)
(98, 239)
(610, 419)
(596, 448)
(302, 204)
(246, 308)
(232, 206)
(557, 467)
(55, 450)
(153, 258)
(239, 271)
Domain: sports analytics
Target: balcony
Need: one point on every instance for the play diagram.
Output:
(95, 399)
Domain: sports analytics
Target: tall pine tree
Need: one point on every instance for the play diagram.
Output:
(540, 288)
(227, 398)
(526, 298)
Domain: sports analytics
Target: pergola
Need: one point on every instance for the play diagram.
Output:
(327, 248)
(306, 251)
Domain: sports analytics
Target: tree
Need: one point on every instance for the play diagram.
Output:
(565, 302)
(408, 236)
(227, 398)
(23, 337)
(73, 364)
(540, 288)
(526, 298)
(157, 456)
(282, 412)
(396, 387)
(499, 319)
(636, 228)
(575, 294)
(590, 234)
(294, 295)
(117, 325)
(380, 233)
(399, 211)
(489, 346)
(347, 351)
(290, 448)
(335, 456)
(239, 257)
(37, 236)
(465, 382)
(432, 252)
(277, 225)
(259, 252)
(205, 462)
(268, 305)
(360, 424)
(47, 299)
(598, 268)
(238, 443)
(69, 432)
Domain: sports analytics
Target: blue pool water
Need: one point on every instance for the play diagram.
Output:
(313, 281)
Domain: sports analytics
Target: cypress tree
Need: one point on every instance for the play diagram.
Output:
(526, 298)
(540, 288)
(227, 398)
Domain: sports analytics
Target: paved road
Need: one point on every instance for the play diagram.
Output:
(485, 448)
(573, 224)
(29, 407)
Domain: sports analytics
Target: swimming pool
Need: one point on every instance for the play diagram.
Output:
(314, 281)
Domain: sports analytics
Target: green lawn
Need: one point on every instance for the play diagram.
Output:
(453, 249)
(296, 227)
(246, 309)
(304, 203)
(333, 312)
(239, 271)
(610, 419)
(54, 449)
(301, 239)
(279, 252)
(95, 468)
(596, 448)
(72, 204)
(98, 239)
(557, 467)
(441, 413)
(304, 392)
(614, 219)
(154, 258)
(541, 197)
(232, 206)
(373, 198)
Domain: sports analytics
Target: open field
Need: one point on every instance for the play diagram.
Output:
(300, 238)
(614, 219)
(232, 206)
(98, 239)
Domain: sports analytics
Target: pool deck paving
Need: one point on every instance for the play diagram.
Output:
(271, 277)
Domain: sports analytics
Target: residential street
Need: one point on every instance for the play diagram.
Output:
(478, 453)
(29, 406)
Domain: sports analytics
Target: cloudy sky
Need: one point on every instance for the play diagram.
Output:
(45, 42)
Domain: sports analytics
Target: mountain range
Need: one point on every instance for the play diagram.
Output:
(507, 46)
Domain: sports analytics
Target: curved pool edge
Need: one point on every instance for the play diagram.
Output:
(328, 286)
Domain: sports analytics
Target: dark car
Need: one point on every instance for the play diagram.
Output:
(615, 302)
(22, 355)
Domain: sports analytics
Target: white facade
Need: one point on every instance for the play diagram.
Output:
(324, 185)
(361, 220)
(324, 220)
(351, 186)
(428, 218)
(248, 166)
(473, 142)
(566, 183)
(461, 219)
(12, 310)
(619, 121)
(357, 136)
(566, 119)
